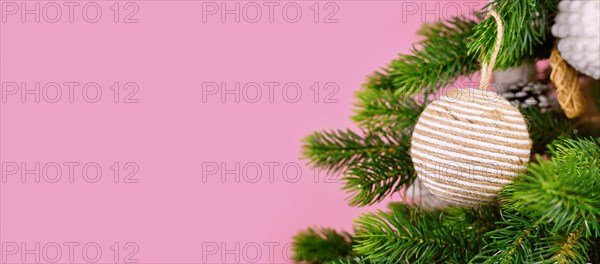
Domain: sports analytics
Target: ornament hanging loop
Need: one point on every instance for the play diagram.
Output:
(487, 68)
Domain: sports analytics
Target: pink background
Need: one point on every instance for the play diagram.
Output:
(171, 132)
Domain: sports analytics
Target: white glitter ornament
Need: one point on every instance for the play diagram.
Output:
(577, 26)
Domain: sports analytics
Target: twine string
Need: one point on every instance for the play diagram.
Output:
(487, 68)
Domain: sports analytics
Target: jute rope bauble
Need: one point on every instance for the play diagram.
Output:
(469, 143)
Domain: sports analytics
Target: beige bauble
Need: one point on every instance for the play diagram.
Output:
(468, 144)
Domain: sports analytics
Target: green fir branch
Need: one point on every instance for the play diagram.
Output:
(586, 152)
(385, 110)
(551, 212)
(371, 181)
(513, 242)
(362, 260)
(481, 218)
(564, 191)
(436, 61)
(411, 235)
(380, 80)
(527, 36)
(322, 245)
(334, 150)
(570, 248)
(350, 261)
(374, 165)
(522, 239)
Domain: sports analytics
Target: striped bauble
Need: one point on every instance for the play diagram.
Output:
(469, 143)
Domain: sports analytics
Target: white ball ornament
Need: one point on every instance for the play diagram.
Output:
(468, 144)
(577, 26)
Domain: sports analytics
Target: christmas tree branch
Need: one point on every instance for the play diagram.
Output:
(334, 150)
(374, 165)
(564, 190)
(411, 235)
(513, 242)
(385, 110)
(435, 62)
(585, 152)
(373, 180)
(380, 80)
(570, 248)
(362, 260)
(526, 32)
(551, 212)
(321, 245)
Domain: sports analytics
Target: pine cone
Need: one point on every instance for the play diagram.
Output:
(530, 94)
